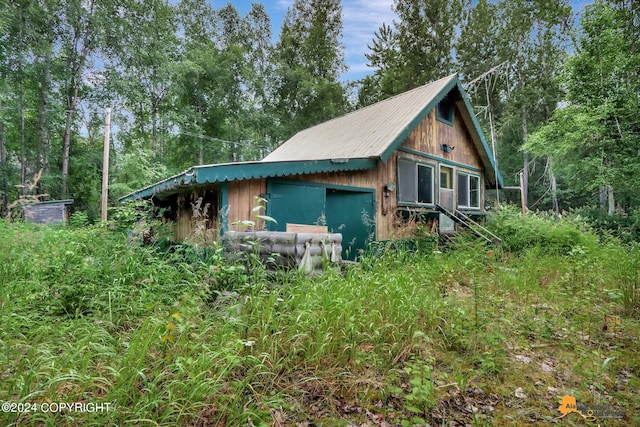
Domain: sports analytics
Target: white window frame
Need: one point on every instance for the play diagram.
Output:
(464, 196)
(408, 192)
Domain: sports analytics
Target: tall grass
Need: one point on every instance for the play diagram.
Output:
(181, 337)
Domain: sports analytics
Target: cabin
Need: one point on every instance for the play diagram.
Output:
(369, 175)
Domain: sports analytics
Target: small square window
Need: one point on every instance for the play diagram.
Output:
(446, 177)
(444, 111)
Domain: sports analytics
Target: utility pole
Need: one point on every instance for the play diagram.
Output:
(105, 164)
(523, 197)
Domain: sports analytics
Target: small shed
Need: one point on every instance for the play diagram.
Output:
(49, 212)
(366, 175)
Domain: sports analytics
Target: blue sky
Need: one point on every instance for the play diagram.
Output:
(361, 18)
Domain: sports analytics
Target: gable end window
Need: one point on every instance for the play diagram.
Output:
(468, 191)
(444, 111)
(415, 183)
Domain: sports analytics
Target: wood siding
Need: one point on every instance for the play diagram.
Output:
(423, 144)
(431, 133)
(242, 200)
(201, 226)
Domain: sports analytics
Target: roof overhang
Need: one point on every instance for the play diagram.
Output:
(210, 174)
(49, 202)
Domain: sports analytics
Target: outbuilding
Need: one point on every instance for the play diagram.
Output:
(53, 212)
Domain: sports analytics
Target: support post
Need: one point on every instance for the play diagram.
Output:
(522, 195)
(105, 164)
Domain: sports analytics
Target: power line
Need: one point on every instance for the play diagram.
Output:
(211, 138)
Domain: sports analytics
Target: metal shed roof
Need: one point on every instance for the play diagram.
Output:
(377, 130)
(246, 170)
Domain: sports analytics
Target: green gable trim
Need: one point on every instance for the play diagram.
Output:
(438, 159)
(225, 172)
(485, 146)
(454, 83)
(417, 120)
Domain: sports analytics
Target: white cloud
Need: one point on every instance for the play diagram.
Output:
(361, 19)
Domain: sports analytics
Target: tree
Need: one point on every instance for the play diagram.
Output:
(594, 138)
(523, 42)
(143, 68)
(426, 36)
(308, 62)
(417, 50)
(221, 92)
(80, 29)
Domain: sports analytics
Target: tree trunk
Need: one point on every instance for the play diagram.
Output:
(603, 198)
(4, 179)
(23, 148)
(154, 131)
(75, 65)
(42, 132)
(554, 194)
(612, 201)
(66, 145)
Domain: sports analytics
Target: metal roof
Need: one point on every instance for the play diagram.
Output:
(377, 130)
(50, 202)
(204, 174)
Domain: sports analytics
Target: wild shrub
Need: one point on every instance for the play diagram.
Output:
(558, 236)
(624, 226)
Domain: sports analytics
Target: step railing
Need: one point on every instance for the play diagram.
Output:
(465, 221)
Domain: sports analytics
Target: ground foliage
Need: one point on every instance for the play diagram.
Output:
(463, 335)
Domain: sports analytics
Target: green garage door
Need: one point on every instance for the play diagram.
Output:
(352, 214)
(295, 204)
(347, 211)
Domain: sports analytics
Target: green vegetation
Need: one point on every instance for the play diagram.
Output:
(178, 336)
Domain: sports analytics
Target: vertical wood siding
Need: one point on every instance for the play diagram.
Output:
(426, 138)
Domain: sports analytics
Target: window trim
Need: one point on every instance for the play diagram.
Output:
(452, 176)
(449, 105)
(469, 176)
(417, 163)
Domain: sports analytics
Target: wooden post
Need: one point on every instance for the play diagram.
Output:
(522, 195)
(105, 164)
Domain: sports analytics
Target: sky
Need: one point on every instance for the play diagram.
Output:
(360, 19)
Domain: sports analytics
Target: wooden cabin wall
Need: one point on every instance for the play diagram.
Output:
(242, 200)
(202, 226)
(430, 133)
(426, 138)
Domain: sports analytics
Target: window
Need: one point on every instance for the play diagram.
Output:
(415, 182)
(468, 191)
(446, 177)
(444, 111)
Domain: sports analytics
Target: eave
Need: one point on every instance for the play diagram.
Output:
(226, 172)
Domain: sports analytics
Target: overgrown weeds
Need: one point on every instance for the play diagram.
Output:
(177, 335)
